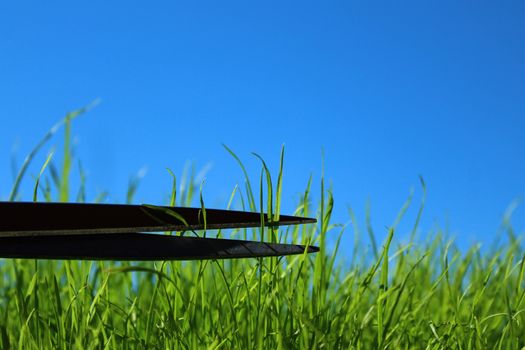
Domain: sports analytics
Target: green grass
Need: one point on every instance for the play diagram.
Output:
(423, 294)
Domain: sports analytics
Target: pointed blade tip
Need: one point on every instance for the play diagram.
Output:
(294, 220)
(313, 249)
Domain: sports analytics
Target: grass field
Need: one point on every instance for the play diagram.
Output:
(426, 294)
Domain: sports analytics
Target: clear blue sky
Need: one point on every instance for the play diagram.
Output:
(388, 90)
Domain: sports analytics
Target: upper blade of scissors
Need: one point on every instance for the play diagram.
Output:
(29, 219)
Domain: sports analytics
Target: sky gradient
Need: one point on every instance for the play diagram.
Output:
(387, 92)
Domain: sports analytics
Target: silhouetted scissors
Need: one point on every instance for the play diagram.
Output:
(118, 232)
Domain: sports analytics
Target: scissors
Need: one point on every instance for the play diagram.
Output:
(80, 231)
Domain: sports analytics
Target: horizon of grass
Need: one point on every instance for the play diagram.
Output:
(418, 295)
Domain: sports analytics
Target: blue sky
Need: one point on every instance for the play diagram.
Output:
(388, 91)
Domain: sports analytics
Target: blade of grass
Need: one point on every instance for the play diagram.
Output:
(27, 161)
(37, 182)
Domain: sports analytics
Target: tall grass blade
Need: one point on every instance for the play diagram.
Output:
(37, 182)
(27, 161)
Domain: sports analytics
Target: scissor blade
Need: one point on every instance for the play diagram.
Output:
(140, 246)
(27, 218)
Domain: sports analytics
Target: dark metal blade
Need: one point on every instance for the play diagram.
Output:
(139, 246)
(27, 218)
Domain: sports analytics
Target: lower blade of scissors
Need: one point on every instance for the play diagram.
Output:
(140, 246)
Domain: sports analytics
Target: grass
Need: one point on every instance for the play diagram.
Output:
(424, 294)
